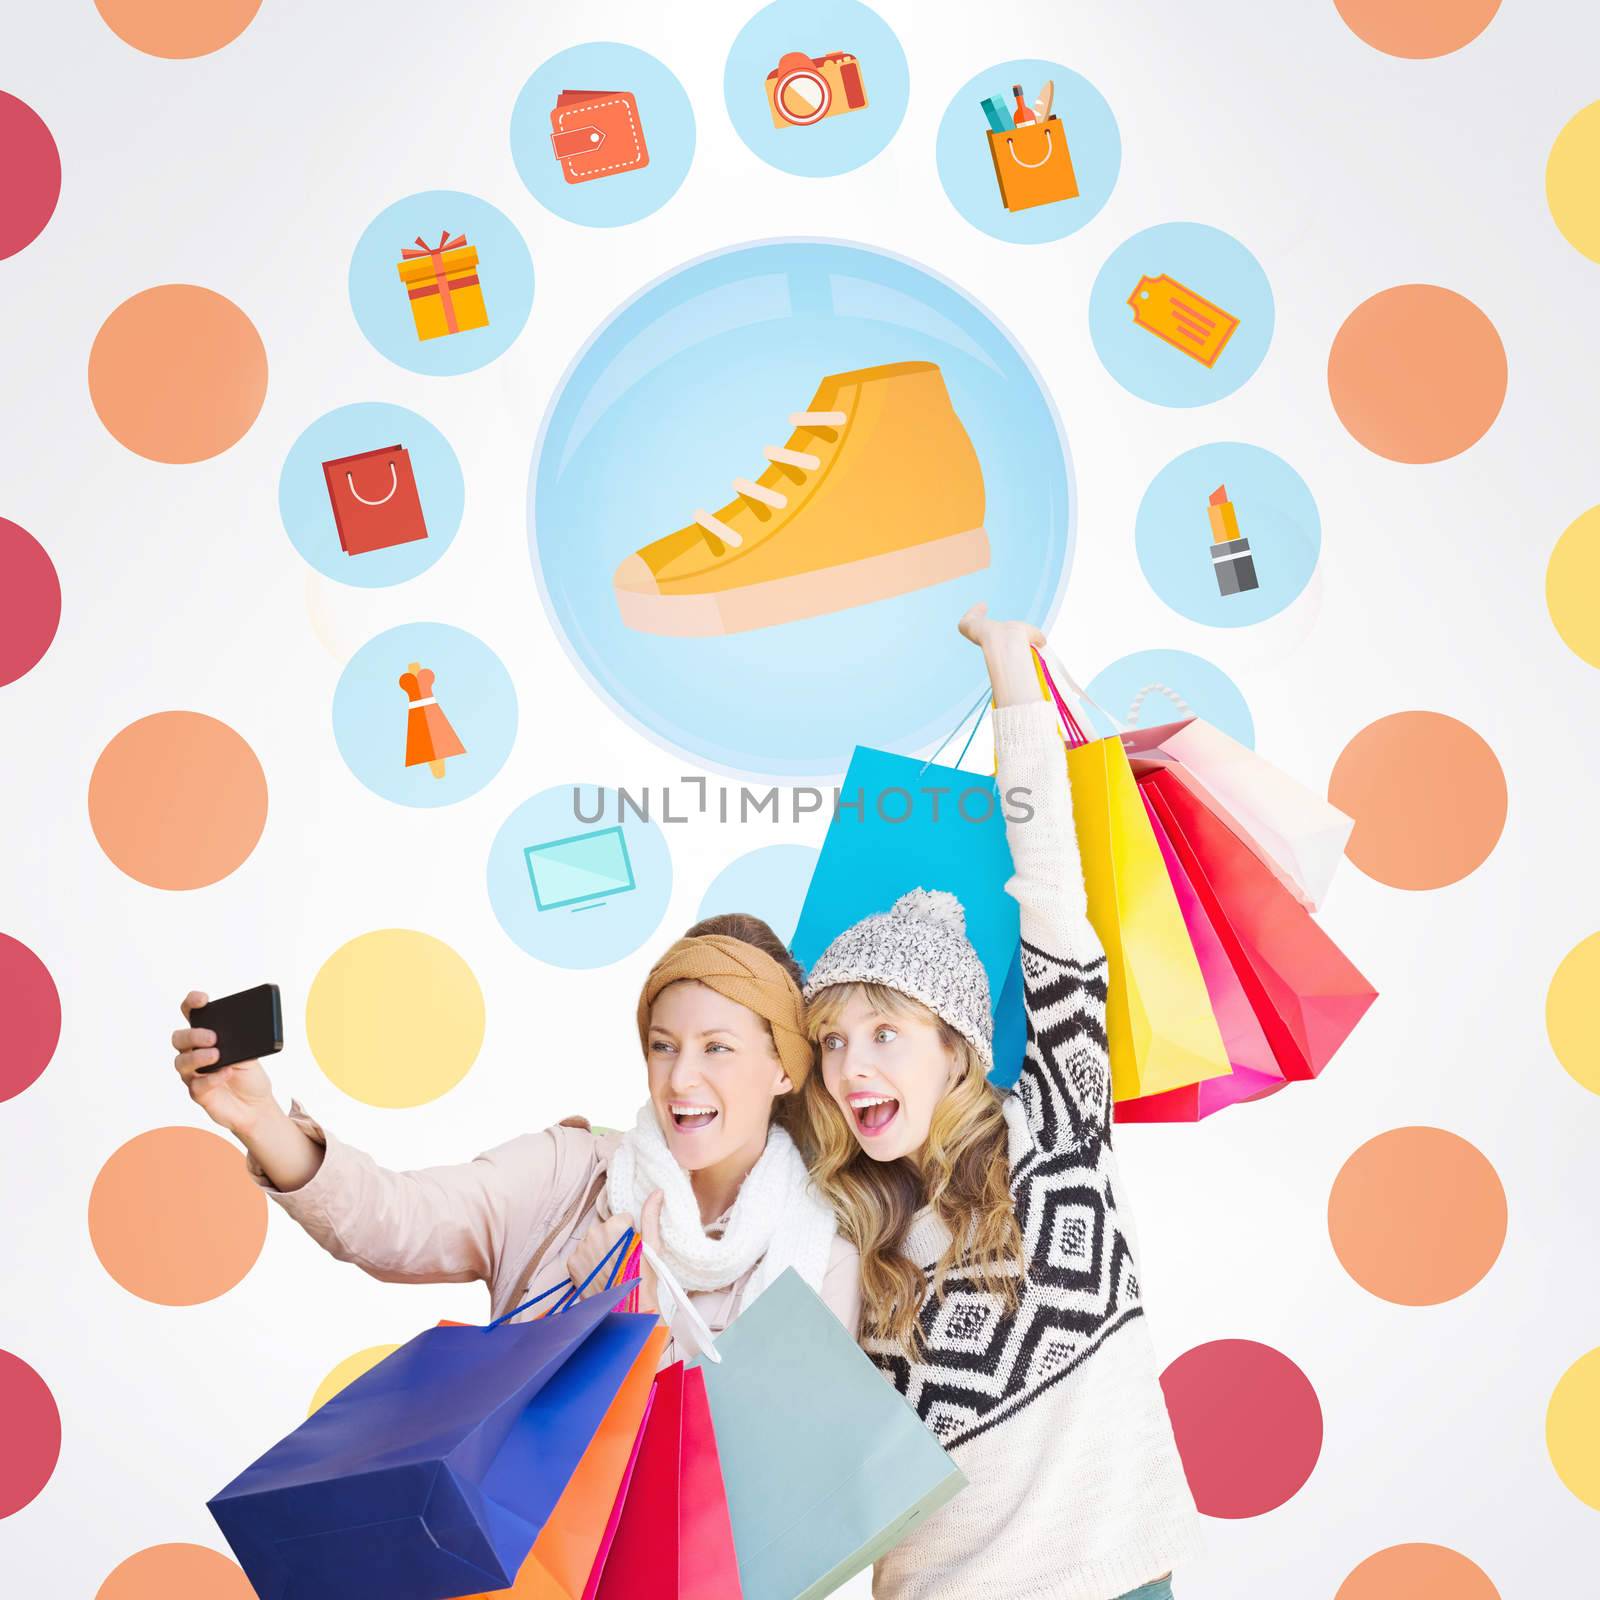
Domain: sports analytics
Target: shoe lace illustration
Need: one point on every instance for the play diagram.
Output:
(802, 460)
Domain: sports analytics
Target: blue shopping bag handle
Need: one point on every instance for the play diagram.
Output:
(574, 1291)
(977, 707)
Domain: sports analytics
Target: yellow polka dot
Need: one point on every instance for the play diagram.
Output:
(1570, 1015)
(395, 1018)
(1572, 582)
(1572, 181)
(346, 1373)
(1572, 1429)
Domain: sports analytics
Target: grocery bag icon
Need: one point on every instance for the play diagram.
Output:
(1033, 164)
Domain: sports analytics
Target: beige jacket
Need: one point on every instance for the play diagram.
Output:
(509, 1219)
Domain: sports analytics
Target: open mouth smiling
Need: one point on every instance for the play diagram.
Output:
(873, 1113)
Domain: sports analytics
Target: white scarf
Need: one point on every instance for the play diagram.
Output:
(778, 1220)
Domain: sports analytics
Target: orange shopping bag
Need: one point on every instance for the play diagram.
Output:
(1033, 164)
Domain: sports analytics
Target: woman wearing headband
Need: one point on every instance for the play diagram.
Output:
(707, 1174)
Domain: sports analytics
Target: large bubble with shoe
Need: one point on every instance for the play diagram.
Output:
(769, 487)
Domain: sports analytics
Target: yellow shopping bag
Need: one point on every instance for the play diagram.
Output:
(1160, 1029)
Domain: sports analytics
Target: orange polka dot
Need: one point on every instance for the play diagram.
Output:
(1417, 373)
(176, 1572)
(1417, 29)
(177, 800)
(1411, 1571)
(178, 373)
(178, 28)
(174, 1217)
(1428, 797)
(1417, 1216)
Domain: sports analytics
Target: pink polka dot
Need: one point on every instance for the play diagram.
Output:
(30, 1443)
(1248, 1425)
(30, 175)
(30, 1026)
(30, 594)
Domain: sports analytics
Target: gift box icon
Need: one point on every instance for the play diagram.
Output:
(442, 283)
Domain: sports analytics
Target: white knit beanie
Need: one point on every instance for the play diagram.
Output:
(919, 948)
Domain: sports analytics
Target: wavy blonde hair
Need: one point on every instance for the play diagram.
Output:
(962, 1174)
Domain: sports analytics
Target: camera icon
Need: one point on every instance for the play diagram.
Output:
(804, 89)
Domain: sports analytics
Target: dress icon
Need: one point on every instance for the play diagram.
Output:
(430, 740)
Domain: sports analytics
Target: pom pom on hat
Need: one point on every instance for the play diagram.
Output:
(937, 906)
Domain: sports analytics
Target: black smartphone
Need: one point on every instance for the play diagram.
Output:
(247, 1025)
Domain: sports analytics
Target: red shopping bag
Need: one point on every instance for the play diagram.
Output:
(674, 1539)
(1305, 992)
(1255, 1071)
(375, 500)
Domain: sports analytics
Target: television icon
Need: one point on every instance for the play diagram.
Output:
(579, 871)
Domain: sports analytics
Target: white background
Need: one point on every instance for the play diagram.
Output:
(253, 171)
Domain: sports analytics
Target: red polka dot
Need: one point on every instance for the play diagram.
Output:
(30, 1026)
(30, 175)
(1248, 1424)
(30, 597)
(30, 1443)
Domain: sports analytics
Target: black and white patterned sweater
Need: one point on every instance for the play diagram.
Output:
(1055, 1411)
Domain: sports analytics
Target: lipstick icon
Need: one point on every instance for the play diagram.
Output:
(1230, 550)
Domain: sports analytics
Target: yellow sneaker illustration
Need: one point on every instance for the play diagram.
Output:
(877, 493)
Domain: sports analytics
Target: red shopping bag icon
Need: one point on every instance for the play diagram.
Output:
(375, 503)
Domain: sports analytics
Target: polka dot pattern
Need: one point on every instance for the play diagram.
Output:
(30, 602)
(1571, 1017)
(1417, 1216)
(178, 29)
(30, 176)
(1248, 1425)
(1572, 1429)
(178, 373)
(1428, 797)
(1418, 28)
(176, 1572)
(395, 1018)
(1572, 181)
(1413, 1571)
(155, 823)
(175, 1218)
(346, 1373)
(31, 1027)
(1417, 373)
(32, 1440)
(1572, 585)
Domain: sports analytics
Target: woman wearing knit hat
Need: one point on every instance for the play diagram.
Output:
(715, 1184)
(999, 1292)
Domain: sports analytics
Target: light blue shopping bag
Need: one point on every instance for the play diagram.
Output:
(909, 835)
(827, 1468)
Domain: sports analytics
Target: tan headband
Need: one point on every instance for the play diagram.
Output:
(747, 976)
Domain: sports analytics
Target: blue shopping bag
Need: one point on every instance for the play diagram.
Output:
(826, 1466)
(921, 826)
(431, 1475)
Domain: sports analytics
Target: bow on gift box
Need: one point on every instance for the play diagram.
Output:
(441, 282)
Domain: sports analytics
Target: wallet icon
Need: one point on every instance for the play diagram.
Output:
(597, 132)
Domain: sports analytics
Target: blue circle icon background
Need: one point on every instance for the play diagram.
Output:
(472, 688)
(1276, 515)
(817, 28)
(308, 513)
(967, 170)
(1207, 690)
(769, 883)
(1209, 262)
(677, 395)
(596, 885)
(379, 300)
(666, 121)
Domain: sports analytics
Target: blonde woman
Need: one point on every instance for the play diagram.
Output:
(998, 1283)
(717, 1184)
